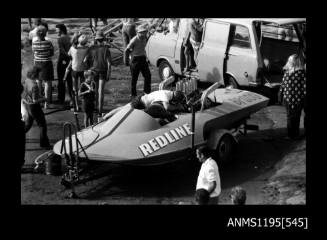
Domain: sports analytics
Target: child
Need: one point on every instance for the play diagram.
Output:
(87, 91)
(77, 53)
(238, 196)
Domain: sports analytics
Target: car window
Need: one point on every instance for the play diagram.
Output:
(241, 37)
(285, 32)
(212, 33)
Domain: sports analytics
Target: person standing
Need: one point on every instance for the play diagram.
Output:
(98, 59)
(196, 29)
(64, 44)
(188, 49)
(77, 54)
(43, 51)
(292, 94)
(87, 92)
(32, 100)
(128, 32)
(139, 61)
(209, 178)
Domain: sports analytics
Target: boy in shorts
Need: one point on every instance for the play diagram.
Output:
(87, 92)
(43, 51)
(98, 59)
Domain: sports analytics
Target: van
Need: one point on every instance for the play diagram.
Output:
(236, 52)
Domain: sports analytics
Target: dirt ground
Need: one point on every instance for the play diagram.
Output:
(271, 169)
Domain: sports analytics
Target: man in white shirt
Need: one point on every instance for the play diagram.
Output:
(158, 104)
(209, 178)
(161, 104)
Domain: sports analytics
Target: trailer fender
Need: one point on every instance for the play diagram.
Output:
(215, 136)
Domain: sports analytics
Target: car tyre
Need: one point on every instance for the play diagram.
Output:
(224, 149)
(165, 70)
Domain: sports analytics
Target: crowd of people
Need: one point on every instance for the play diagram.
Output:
(85, 69)
(82, 68)
(76, 57)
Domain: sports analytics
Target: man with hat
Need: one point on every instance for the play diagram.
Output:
(139, 62)
(64, 44)
(98, 59)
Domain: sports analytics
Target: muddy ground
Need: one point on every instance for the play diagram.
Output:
(270, 168)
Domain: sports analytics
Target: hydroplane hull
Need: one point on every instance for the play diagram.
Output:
(132, 136)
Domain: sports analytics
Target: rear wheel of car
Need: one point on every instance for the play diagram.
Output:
(165, 70)
(231, 82)
(224, 149)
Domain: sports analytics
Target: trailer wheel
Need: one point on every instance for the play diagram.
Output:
(231, 82)
(165, 70)
(224, 148)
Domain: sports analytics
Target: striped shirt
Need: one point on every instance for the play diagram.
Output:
(43, 50)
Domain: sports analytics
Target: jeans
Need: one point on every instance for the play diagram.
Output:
(138, 65)
(35, 113)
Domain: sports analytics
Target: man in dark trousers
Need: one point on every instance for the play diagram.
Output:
(209, 178)
(64, 44)
(188, 49)
(139, 61)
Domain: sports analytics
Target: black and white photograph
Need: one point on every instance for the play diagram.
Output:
(163, 111)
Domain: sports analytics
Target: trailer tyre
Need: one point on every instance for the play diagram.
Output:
(165, 70)
(224, 148)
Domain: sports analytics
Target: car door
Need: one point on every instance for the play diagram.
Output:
(242, 62)
(212, 51)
